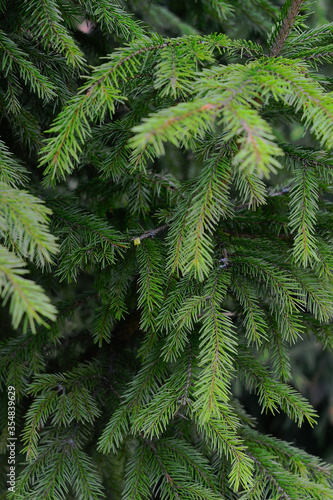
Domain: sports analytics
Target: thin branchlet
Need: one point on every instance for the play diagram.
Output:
(285, 28)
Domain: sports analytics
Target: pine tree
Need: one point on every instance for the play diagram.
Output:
(167, 268)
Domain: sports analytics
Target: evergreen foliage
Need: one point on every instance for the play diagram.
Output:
(166, 271)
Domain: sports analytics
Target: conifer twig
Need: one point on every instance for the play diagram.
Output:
(153, 232)
(184, 398)
(286, 27)
(271, 478)
(279, 193)
(165, 472)
(149, 234)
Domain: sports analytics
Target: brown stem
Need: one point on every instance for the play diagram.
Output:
(285, 28)
(151, 233)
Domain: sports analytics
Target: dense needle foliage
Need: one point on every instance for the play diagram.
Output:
(148, 268)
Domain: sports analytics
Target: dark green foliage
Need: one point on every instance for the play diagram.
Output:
(167, 276)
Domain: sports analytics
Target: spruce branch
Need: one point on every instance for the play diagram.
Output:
(49, 27)
(282, 192)
(184, 398)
